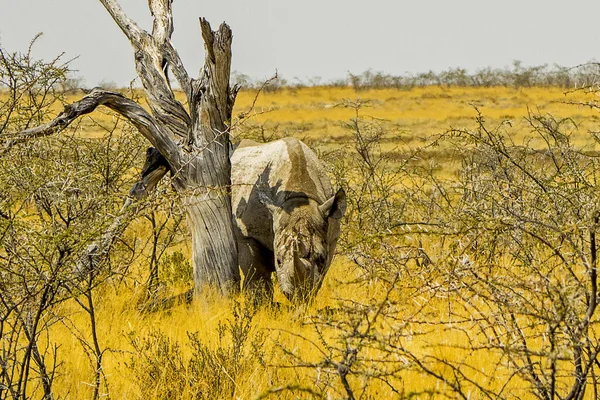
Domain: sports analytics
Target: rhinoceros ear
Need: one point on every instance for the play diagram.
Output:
(334, 207)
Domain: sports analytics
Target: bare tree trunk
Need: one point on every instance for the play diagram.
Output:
(208, 222)
(208, 172)
(200, 163)
(192, 138)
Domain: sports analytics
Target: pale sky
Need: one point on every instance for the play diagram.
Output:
(324, 38)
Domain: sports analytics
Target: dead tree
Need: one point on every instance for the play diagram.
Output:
(192, 137)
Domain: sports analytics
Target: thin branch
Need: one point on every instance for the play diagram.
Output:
(155, 168)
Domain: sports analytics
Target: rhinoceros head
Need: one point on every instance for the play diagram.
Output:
(305, 236)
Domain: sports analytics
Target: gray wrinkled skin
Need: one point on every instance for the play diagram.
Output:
(286, 215)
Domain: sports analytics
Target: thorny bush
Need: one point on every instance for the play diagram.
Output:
(497, 264)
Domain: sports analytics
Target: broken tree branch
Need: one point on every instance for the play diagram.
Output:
(129, 109)
(155, 167)
(154, 55)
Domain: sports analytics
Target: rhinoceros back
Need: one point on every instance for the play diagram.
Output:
(277, 171)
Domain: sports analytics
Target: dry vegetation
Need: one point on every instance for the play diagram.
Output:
(466, 267)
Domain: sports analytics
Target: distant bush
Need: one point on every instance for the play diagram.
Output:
(517, 75)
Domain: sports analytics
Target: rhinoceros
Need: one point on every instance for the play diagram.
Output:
(286, 217)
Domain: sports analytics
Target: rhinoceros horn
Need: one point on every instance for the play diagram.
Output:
(334, 207)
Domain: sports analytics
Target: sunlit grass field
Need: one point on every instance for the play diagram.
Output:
(410, 118)
(316, 115)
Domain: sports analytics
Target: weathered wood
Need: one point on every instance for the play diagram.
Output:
(209, 169)
(193, 138)
(203, 174)
(152, 61)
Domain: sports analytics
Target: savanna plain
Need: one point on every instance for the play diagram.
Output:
(465, 268)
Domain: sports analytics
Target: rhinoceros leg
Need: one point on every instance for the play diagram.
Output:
(257, 264)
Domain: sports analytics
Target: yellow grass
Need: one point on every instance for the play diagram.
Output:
(120, 322)
(315, 114)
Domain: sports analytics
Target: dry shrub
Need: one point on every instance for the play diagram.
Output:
(212, 371)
